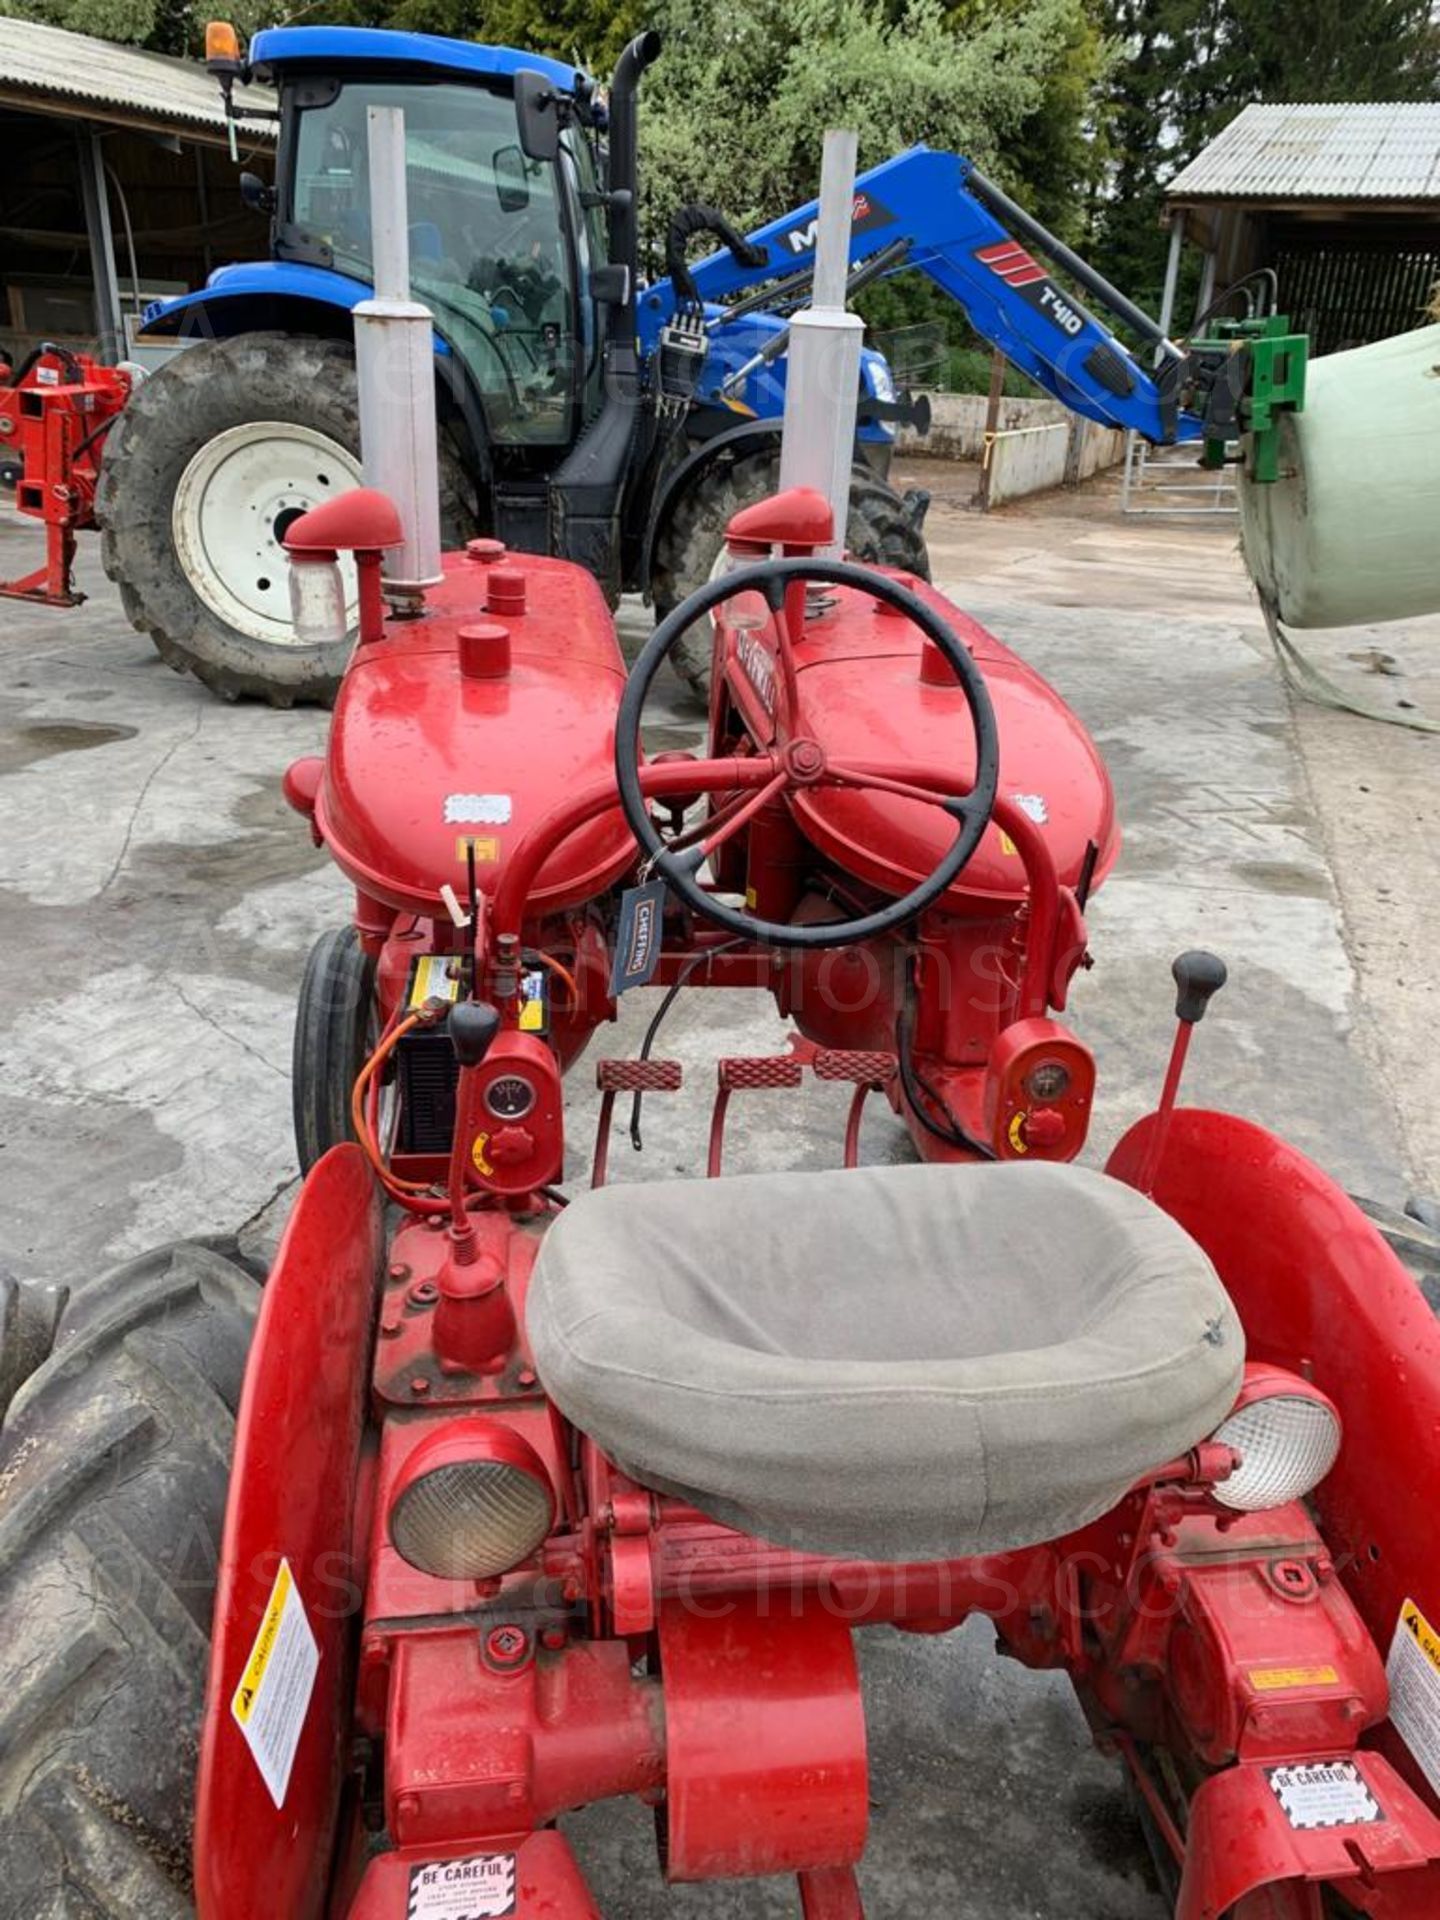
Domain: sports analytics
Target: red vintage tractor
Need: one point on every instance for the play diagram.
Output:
(536, 1502)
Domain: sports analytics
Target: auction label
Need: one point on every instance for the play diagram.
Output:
(1413, 1671)
(273, 1697)
(1324, 1793)
(479, 1888)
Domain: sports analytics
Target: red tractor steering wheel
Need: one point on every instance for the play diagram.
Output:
(799, 759)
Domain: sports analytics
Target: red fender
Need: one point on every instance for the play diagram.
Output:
(292, 1501)
(1240, 1839)
(1319, 1291)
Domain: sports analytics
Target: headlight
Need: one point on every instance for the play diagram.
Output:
(474, 1501)
(1287, 1435)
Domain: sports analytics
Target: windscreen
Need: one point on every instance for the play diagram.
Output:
(489, 252)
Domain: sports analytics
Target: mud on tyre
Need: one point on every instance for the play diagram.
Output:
(113, 1469)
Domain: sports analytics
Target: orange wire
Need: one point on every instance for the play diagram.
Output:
(388, 1042)
(559, 967)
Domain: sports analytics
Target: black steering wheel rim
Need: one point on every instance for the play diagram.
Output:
(972, 809)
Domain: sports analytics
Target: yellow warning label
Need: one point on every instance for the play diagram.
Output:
(1413, 1673)
(249, 1687)
(532, 1016)
(1016, 1132)
(1007, 845)
(1283, 1679)
(477, 1154)
(1421, 1632)
(436, 978)
(273, 1697)
(486, 845)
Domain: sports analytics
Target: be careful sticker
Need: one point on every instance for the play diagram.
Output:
(273, 1697)
(1324, 1793)
(479, 1888)
(1413, 1670)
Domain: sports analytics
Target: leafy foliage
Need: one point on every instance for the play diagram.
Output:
(1081, 108)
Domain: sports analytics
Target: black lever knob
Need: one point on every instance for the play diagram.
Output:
(472, 1027)
(1198, 976)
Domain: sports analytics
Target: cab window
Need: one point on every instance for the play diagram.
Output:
(489, 254)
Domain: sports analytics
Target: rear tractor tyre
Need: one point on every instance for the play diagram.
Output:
(884, 530)
(336, 1030)
(113, 1473)
(205, 469)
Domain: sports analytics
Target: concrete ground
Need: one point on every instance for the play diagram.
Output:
(157, 900)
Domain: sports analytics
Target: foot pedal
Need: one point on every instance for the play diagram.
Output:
(861, 1069)
(747, 1073)
(627, 1076)
(753, 1072)
(638, 1076)
(868, 1071)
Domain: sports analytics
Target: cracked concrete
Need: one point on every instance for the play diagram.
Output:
(157, 900)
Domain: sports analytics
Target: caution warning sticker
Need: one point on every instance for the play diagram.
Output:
(1324, 1793)
(480, 1888)
(273, 1696)
(1413, 1670)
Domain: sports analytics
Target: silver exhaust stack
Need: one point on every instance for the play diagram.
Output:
(822, 381)
(395, 366)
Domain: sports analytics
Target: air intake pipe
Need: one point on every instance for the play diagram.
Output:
(587, 489)
(624, 172)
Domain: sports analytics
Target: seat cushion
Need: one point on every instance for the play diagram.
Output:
(897, 1363)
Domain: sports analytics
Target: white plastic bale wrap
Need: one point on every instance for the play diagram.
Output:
(1351, 534)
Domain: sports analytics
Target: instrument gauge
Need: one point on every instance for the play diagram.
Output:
(510, 1097)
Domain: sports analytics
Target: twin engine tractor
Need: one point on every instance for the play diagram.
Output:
(543, 1498)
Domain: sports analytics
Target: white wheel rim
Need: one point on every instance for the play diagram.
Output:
(235, 501)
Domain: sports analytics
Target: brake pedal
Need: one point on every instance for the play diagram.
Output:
(627, 1076)
(868, 1071)
(746, 1073)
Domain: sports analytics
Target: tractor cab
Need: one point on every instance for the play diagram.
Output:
(502, 245)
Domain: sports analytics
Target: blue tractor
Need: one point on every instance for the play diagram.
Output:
(581, 412)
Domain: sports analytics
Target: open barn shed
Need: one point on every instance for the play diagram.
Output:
(1342, 200)
(118, 185)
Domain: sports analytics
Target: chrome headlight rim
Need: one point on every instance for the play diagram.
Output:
(1287, 1434)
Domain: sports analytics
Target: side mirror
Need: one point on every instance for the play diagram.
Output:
(537, 115)
(512, 187)
(256, 195)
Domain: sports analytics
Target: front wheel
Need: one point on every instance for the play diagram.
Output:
(884, 530)
(336, 1030)
(206, 468)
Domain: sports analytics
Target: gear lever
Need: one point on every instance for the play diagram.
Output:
(1198, 977)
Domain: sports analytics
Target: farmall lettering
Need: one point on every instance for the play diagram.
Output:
(759, 669)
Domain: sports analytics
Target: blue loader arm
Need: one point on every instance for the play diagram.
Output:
(960, 230)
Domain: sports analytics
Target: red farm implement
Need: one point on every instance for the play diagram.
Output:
(55, 410)
(537, 1502)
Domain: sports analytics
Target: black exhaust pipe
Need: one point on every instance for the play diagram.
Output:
(587, 489)
(624, 172)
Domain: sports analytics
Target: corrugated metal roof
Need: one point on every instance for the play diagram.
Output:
(1341, 151)
(118, 82)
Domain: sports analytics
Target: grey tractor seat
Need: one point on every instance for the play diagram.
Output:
(895, 1363)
